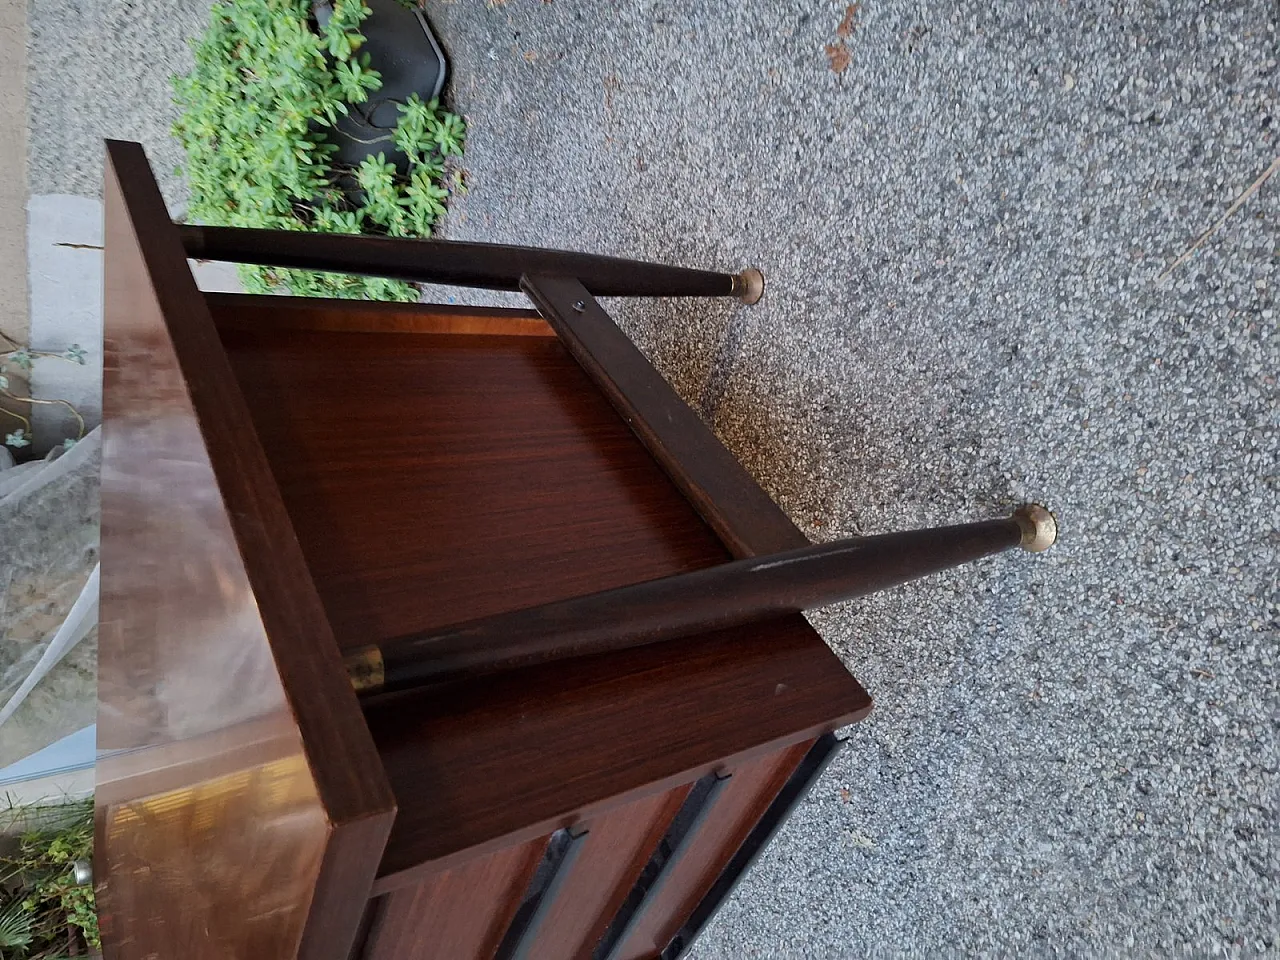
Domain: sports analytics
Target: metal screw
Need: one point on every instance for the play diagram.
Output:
(579, 306)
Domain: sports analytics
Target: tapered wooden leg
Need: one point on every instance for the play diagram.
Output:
(734, 593)
(489, 265)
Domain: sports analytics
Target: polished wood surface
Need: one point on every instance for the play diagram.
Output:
(476, 474)
(730, 501)
(742, 801)
(458, 914)
(617, 844)
(228, 733)
(297, 478)
(471, 475)
(670, 608)
(247, 311)
(172, 874)
(489, 265)
(573, 739)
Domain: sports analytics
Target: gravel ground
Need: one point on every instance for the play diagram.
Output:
(1071, 754)
(101, 68)
(1074, 754)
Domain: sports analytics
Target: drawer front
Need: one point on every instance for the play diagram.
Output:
(628, 884)
(728, 818)
(456, 914)
(615, 849)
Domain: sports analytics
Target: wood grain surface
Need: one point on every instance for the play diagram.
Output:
(567, 741)
(458, 914)
(432, 479)
(214, 647)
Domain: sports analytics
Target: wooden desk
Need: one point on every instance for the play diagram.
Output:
(285, 480)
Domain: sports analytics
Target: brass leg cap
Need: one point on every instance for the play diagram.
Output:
(1039, 529)
(748, 286)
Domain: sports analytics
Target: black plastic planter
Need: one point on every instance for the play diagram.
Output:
(403, 49)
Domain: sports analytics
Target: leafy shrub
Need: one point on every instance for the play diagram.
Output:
(267, 88)
(15, 358)
(44, 908)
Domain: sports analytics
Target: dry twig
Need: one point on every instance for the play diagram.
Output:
(1239, 201)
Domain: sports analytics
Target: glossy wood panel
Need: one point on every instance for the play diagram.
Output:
(615, 849)
(219, 869)
(240, 311)
(458, 914)
(435, 479)
(571, 739)
(228, 731)
(743, 799)
(478, 474)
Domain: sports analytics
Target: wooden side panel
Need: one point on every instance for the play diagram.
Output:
(241, 806)
(476, 474)
(460, 913)
(574, 738)
(615, 849)
(436, 479)
(742, 801)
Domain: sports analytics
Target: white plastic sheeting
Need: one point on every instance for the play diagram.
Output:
(82, 618)
(48, 596)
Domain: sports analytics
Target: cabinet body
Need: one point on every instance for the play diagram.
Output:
(285, 480)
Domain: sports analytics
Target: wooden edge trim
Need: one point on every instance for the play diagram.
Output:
(350, 780)
(338, 916)
(243, 311)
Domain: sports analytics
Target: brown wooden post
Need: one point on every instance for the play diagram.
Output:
(490, 265)
(715, 598)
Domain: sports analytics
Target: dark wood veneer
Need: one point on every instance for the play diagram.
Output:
(285, 480)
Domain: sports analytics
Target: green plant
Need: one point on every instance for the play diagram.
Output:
(258, 114)
(46, 913)
(19, 358)
(15, 926)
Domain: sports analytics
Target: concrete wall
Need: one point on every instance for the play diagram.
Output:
(13, 161)
(64, 245)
